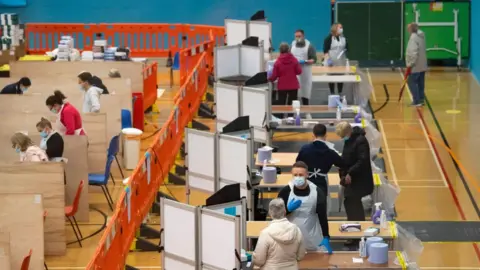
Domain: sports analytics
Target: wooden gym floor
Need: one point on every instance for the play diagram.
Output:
(416, 158)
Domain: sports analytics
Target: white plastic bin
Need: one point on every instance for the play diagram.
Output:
(131, 147)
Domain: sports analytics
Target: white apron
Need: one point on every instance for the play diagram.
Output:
(338, 58)
(305, 78)
(60, 128)
(306, 218)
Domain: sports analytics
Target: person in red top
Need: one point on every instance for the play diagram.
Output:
(69, 121)
(286, 69)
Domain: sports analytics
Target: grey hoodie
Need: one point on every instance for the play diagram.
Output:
(417, 52)
(279, 246)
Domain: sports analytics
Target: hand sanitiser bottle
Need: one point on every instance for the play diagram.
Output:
(383, 220)
(344, 102)
(339, 114)
(347, 65)
(377, 213)
(362, 248)
(298, 120)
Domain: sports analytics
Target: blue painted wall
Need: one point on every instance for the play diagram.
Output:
(286, 15)
(475, 39)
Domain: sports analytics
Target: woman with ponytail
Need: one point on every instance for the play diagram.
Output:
(69, 121)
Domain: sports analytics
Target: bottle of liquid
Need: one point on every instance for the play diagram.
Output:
(383, 220)
(298, 120)
(339, 114)
(344, 102)
(377, 213)
(362, 248)
(347, 65)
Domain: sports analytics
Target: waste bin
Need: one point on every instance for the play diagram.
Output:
(131, 147)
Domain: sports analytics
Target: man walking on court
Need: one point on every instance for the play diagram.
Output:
(417, 63)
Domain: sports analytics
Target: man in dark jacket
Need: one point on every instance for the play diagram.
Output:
(319, 157)
(17, 88)
(356, 176)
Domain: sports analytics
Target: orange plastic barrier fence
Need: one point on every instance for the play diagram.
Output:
(189, 57)
(135, 202)
(149, 85)
(144, 40)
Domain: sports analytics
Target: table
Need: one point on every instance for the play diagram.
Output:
(285, 178)
(333, 70)
(324, 78)
(255, 227)
(344, 261)
(280, 160)
(324, 109)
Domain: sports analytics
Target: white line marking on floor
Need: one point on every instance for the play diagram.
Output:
(387, 150)
(433, 153)
(406, 86)
(374, 96)
(417, 180)
(409, 149)
(401, 186)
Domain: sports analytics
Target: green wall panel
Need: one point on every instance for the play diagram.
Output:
(441, 36)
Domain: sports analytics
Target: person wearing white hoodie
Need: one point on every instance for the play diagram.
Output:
(416, 61)
(280, 245)
(91, 98)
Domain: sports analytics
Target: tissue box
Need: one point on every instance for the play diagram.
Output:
(9, 19)
(371, 232)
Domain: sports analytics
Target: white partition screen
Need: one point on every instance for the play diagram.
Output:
(227, 104)
(219, 240)
(254, 104)
(234, 159)
(227, 61)
(236, 31)
(200, 160)
(251, 60)
(262, 30)
(179, 239)
(261, 135)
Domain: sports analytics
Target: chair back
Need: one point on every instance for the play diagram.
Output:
(176, 61)
(26, 261)
(126, 117)
(108, 167)
(76, 201)
(114, 146)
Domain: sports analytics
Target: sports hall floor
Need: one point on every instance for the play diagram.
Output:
(417, 159)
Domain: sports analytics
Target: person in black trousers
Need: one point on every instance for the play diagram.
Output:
(356, 176)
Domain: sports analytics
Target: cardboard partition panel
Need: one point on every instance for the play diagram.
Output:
(5, 250)
(21, 216)
(45, 178)
(132, 70)
(68, 85)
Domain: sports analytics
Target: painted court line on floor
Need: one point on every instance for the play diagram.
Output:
(387, 151)
(374, 96)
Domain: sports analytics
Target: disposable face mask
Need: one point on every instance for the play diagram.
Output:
(300, 40)
(340, 31)
(17, 149)
(24, 89)
(346, 138)
(80, 87)
(299, 181)
(54, 111)
(44, 134)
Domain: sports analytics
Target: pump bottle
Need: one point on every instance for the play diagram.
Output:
(376, 215)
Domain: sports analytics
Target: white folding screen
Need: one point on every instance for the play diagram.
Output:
(227, 104)
(236, 31)
(200, 160)
(179, 239)
(251, 60)
(234, 159)
(227, 61)
(255, 102)
(262, 30)
(220, 240)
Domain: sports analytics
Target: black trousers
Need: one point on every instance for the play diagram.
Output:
(321, 183)
(285, 97)
(332, 86)
(354, 208)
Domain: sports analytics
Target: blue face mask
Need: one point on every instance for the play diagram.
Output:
(298, 181)
(24, 89)
(346, 138)
(81, 87)
(17, 149)
(44, 134)
(53, 110)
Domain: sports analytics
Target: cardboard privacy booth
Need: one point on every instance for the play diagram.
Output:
(46, 179)
(54, 70)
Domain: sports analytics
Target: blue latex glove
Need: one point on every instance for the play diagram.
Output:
(269, 73)
(302, 62)
(329, 62)
(294, 205)
(326, 243)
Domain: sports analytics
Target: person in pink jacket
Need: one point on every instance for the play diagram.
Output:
(286, 69)
(28, 152)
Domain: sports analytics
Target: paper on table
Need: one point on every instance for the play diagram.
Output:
(357, 260)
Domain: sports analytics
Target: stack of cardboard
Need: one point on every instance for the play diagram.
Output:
(12, 38)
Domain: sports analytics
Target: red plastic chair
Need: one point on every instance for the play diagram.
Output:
(71, 210)
(26, 261)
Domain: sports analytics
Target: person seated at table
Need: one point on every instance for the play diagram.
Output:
(280, 245)
(69, 121)
(18, 88)
(91, 98)
(51, 142)
(28, 152)
(307, 208)
(319, 156)
(286, 69)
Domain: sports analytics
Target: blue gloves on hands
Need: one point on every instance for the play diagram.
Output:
(302, 62)
(326, 243)
(329, 62)
(293, 205)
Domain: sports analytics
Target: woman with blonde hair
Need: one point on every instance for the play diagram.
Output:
(24, 146)
(335, 48)
(52, 142)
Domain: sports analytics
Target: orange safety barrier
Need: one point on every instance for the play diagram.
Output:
(144, 40)
(135, 202)
(189, 56)
(149, 85)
